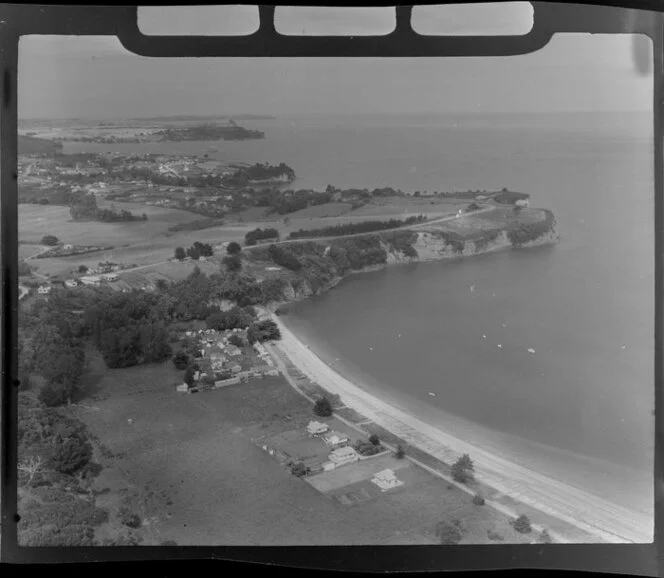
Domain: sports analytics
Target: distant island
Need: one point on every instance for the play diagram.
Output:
(209, 132)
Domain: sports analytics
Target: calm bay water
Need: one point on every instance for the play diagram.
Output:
(586, 305)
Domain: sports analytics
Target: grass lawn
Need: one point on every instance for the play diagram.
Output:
(203, 480)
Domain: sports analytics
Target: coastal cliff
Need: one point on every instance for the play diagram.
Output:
(319, 266)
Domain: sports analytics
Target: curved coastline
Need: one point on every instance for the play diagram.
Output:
(592, 514)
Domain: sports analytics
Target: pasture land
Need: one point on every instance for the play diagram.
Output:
(204, 481)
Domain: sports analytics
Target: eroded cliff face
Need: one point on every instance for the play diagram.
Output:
(429, 247)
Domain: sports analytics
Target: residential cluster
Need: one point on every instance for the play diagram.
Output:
(221, 361)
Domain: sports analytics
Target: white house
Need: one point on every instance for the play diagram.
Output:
(386, 480)
(44, 289)
(335, 439)
(110, 276)
(522, 203)
(68, 247)
(316, 428)
(71, 283)
(344, 455)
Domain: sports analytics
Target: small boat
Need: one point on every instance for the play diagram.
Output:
(531, 350)
(472, 288)
(483, 336)
(370, 348)
(432, 394)
(500, 346)
(504, 324)
(624, 347)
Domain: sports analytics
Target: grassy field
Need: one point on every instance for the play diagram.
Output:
(500, 217)
(201, 480)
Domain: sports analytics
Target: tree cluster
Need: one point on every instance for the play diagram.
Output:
(235, 318)
(463, 470)
(262, 331)
(284, 258)
(252, 237)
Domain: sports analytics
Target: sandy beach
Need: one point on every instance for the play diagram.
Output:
(607, 521)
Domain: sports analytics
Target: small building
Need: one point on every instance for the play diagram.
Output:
(329, 466)
(68, 247)
(44, 289)
(386, 480)
(71, 283)
(110, 276)
(345, 455)
(335, 439)
(316, 428)
(272, 372)
(522, 203)
(236, 368)
(184, 388)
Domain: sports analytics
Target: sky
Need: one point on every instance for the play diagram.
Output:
(95, 77)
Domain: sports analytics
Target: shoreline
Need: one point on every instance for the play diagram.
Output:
(599, 517)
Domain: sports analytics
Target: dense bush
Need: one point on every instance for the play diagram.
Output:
(526, 233)
(522, 524)
(235, 318)
(355, 228)
(401, 452)
(233, 248)
(478, 500)
(181, 360)
(299, 469)
(233, 263)
(284, 258)
(50, 240)
(448, 533)
(266, 330)
(236, 340)
(545, 537)
(463, 469)
(323, 407)
(129, 518)
(374, 439)
(252, 237)
(494, 536)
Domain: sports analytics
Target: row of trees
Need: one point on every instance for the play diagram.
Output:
(355, 228)
(253, 237)
(196, 251)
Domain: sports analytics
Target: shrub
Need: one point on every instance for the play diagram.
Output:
(169, 543)
(233, 248)
(82, 269)
(545, 537)
(189, 376)
(522, 524)
(400, 453)
(323, 407)
(50, 240)
(181, 360)
(462, 470)
(236, 340)
(52, 395)
(478, 500)
(70, 455)
(448, 533)
(129, 518)
(233, 263)
(299, 469)
(494, 536)
(180, 253)
(374, 439)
